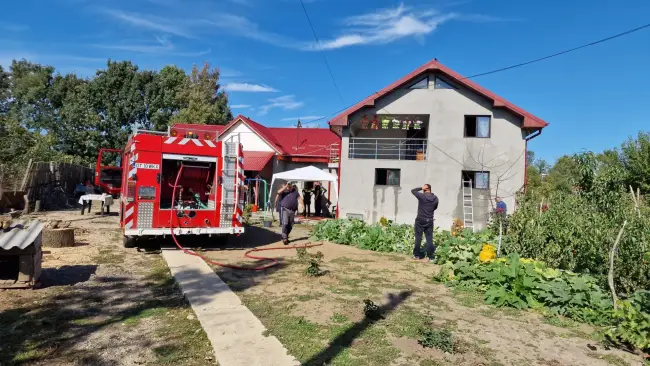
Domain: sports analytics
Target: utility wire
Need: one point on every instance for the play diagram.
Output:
(560, 53)
(322, 53)
(527, 62)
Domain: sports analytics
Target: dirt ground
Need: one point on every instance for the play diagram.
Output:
(321, 320)
(100, 304)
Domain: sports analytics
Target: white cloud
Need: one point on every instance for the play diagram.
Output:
(162, 45)
(385, 26)
(286, 102)
(303, 118)
(152, 23)
(250, 88)
(240, 106)
(243, 27)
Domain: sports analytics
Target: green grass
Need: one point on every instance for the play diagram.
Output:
(109, 256)
(406, 322)
(305, 339)
(468, 298)
(609, 358)
(347, 261)
(559, 321)
(310, 296)
(146, 313)
(338, 318)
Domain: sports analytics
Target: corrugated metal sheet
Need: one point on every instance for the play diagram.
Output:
(20, 238)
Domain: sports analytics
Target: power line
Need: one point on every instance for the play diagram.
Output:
(321, 51)
(525, 63)
(560, 53)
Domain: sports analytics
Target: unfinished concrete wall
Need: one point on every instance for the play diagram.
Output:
(448, 154)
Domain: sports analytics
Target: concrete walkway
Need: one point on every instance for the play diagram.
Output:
(235, 333)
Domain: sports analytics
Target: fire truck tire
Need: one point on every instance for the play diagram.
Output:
(129, 242)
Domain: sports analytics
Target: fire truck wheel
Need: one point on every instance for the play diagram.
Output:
(129, 242)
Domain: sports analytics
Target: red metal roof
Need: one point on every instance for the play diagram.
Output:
(313, 142)
(529, 120)
(256, 160)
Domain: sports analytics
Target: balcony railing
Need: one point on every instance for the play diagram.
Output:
(387, 148)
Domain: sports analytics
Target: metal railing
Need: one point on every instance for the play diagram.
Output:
(334, 153)
(387, 148)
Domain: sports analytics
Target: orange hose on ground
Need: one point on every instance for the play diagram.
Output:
(247, 254)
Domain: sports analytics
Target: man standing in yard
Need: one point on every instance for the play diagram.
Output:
(288, 197)
(427, 204)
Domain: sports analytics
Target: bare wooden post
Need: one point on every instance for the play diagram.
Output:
(37, 206)
(26, 198)
(610, 276)
(24, 183)
(500, 236)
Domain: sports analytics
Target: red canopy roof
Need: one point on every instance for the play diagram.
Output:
(256, 160)
(529, 120)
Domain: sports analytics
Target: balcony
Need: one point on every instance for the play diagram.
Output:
(387, 148)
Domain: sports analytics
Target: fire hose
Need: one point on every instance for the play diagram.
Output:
(248, 254)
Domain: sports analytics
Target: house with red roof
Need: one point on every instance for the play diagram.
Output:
(433, 126)
(270, 150)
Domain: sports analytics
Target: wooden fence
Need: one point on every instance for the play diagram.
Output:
(53, 183)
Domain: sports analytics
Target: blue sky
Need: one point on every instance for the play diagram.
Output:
(593, 98)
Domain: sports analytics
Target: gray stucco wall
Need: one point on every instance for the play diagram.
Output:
(448, 154)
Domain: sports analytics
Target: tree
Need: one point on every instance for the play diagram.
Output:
(5, 90)
(563, 175)
(163, 96)
(635, 159)
(203, 101)
(30, 86)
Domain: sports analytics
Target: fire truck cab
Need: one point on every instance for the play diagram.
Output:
(183, 183)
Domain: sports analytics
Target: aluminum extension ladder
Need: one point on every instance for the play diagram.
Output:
(229, 173)
(468, 205)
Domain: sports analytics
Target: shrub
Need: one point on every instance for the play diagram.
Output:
(377, 237)
(632, 322)
(441, 339)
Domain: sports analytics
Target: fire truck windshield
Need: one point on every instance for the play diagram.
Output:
(195, 185)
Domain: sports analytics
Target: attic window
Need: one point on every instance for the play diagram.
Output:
(422, 84)
(441, 84)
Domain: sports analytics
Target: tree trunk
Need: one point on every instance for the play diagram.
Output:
(58, 238)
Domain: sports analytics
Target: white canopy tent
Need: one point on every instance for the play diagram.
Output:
(307, 174)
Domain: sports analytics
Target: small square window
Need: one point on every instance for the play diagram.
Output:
(422, 84)
(480, 180)
(477, 126)
(441, 84)
(387, 177)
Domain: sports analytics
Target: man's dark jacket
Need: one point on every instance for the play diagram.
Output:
(427, 204)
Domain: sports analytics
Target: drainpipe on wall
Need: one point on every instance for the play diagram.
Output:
(528, 138)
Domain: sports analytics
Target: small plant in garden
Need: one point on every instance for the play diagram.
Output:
(313, 269)
(313, 261)
(248, 209)
(632, 322)
(457, 227)
(441, 339)
(385, 222)
(371, 310)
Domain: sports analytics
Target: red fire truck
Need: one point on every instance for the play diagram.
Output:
(178, 181)
(108, 178)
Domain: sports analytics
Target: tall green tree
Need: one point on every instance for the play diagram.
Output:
(635, 158)
(203, 100)
(163, 96)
